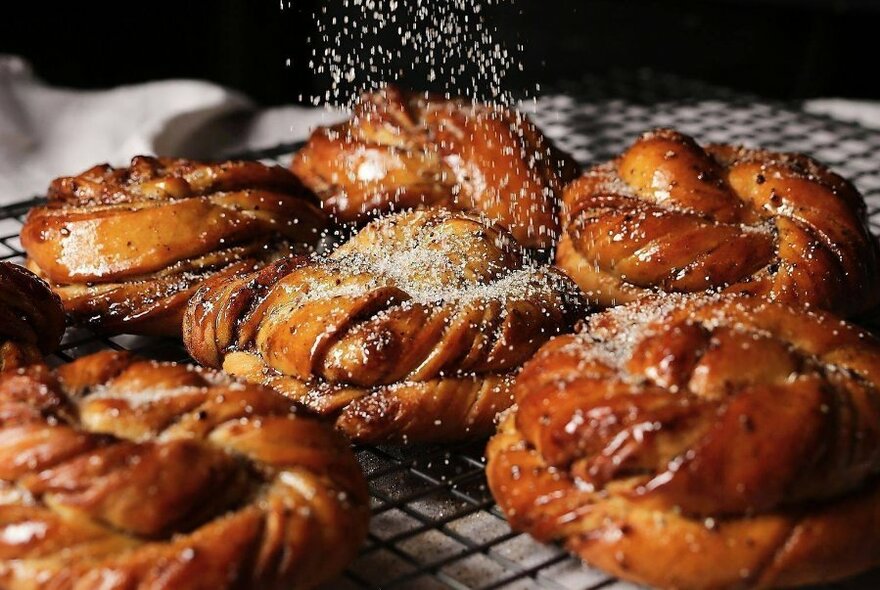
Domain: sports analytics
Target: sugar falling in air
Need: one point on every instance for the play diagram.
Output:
(450, 46)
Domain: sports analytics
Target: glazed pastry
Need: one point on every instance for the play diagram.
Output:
(699, 442)
(403, 150)
(31, 318)
(126, 248)
(411, 331)
(671, 216)
(119, 474)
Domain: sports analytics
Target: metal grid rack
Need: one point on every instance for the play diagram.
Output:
(434, 522)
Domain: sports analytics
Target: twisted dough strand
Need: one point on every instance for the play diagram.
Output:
(401, 151)
(671, 216)
(31, 317)
(120, 474)
(125, 248)
(690, 442)
(413, 329)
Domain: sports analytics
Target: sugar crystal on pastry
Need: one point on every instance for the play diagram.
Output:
(411, 330)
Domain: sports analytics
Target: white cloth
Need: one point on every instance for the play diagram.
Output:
(864, 112)
(47, 132)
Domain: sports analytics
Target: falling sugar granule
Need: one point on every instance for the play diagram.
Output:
(448, 46)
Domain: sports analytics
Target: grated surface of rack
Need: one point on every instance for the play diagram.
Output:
(434, 522)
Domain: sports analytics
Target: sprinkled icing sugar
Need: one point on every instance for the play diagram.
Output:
(136, 398)
(435, 266)
(609, 182)
(610, 338)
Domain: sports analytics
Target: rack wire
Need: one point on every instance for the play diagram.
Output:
(434, 523)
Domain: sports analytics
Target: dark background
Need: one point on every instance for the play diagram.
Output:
(784, 49)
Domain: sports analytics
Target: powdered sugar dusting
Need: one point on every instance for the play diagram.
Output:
(136, 398)
(418, 253)
(611, 337)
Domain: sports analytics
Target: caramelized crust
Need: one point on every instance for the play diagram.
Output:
(671, 216)
(118, 474)
(126, 248)
(412, 330)
(401, 151)
(31, 317)
(700, 442)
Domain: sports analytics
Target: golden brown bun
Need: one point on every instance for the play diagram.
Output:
(126, 248)
(699, 442)
(671, 216)
(120, 474)
(403, 150)
(31, 317)
(412, 330)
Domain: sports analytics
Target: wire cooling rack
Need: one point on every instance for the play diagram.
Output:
(434, 522)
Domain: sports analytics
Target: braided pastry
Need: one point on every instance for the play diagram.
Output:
(402, 150)
(700, 442)
(126, 248)
(669, 215)
(31, 318)
(121, 474)
(412, 330)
